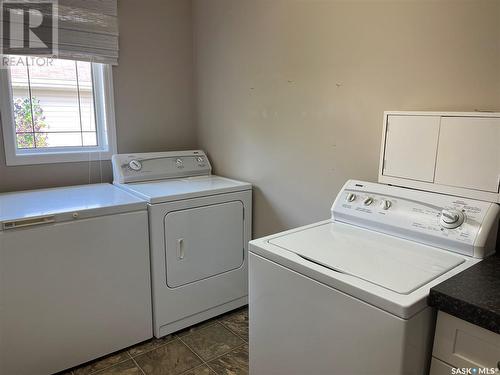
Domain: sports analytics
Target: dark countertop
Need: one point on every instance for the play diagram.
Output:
(472, 295)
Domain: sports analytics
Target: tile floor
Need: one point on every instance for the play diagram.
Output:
(218, 346)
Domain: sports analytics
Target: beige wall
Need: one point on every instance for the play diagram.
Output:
(153, 94)
(290, 94)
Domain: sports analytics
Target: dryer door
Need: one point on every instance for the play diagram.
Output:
(203, 241)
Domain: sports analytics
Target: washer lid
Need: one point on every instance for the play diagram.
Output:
(182, 188)
(393, 263)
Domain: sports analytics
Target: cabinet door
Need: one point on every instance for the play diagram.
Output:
(440, 368)
(411, 146)
(203, 241)
(469, 153)
(462, 344)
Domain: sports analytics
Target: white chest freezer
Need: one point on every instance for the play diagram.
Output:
(74, 277)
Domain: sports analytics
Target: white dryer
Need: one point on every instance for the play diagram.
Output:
(200, 225)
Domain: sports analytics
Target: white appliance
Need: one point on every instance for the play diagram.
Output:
(74, 277)
(348, 295)
(200, 225)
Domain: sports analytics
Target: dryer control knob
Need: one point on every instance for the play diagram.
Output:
(135, 165)
(351, 197)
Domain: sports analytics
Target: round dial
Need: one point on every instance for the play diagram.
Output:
(386, 204)
(135, 165)
(368, 201)
(351, 197)
(451, 218)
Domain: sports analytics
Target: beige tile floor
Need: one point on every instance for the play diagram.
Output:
(218, 346)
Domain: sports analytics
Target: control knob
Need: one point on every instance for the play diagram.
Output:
(386, 204)
(351, 197)
(368, 201)
(135, 165)
(451, 218)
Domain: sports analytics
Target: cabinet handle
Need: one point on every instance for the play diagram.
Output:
(498, 365)
(180, 248)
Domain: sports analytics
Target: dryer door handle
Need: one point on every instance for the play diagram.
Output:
(180, 248)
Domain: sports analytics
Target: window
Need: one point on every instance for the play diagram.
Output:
(60, 111)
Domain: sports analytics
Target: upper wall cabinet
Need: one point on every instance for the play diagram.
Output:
(451, 153)
(468, 154)
(411, 146)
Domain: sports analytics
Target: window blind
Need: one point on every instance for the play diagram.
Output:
(87, 30)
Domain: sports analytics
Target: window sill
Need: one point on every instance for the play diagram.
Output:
(30, 158)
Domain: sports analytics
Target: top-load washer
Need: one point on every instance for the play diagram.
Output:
(200, 225)
(349, 295)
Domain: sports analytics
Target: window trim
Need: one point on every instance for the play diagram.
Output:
(102, 77)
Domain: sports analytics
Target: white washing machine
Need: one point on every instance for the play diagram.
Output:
(200, 225)
(348, 295)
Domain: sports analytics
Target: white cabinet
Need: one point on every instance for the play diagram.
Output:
(440, 368)
(411, 146)
(454, 153)
(460, 344)
(469, 153)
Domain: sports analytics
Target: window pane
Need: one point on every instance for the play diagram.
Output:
(63, 139)
(55, 103)
(25, 141)
(54, 96)
(89, 139)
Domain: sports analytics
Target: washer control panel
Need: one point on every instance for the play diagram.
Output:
(159, 165)
(458, 224)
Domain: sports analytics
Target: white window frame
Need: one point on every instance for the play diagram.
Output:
(102, 80)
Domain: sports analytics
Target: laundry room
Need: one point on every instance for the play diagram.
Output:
(264, 187)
